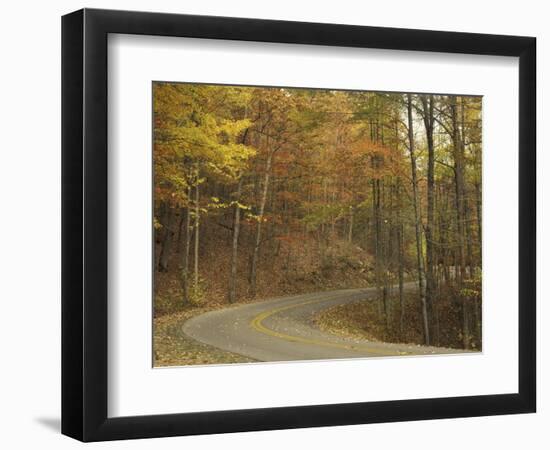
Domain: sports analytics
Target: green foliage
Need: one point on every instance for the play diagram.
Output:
(472, 288)
(324, 214)
(197, 293)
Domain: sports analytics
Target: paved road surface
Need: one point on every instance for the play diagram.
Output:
(282, 329)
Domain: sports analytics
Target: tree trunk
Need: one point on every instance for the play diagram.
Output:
(186, 248)
(384, 266)
(478, 214)
(197, 227)
(350, 232)
(167, 239)
(254, 263)
(459, 194)
(401, 252)
(417, 224)
(378, 244)
(428, 118)
(180, 226)
(235, 244)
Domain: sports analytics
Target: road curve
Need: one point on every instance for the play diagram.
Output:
(282, 329)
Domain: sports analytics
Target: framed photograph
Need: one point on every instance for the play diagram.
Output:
(273, 224)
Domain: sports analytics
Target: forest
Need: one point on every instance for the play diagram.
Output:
(263, 192)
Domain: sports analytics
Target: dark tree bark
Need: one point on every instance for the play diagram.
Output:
(401, 257)
(186, 248)
(235, 245)
(428, 119)
(478, 217)
(167, 239)
(197, 229)
(417, 223)
(458, 156)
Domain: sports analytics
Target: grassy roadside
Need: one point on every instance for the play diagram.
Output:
(363, 319)
(172, 347)
(353, 320)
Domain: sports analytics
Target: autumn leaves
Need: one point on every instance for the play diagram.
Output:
(268, 178)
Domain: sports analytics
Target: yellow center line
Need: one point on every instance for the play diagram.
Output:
(257, 324)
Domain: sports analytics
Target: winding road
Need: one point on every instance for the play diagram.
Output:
(283, 329)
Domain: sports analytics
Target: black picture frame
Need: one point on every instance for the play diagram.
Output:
(84, 224)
